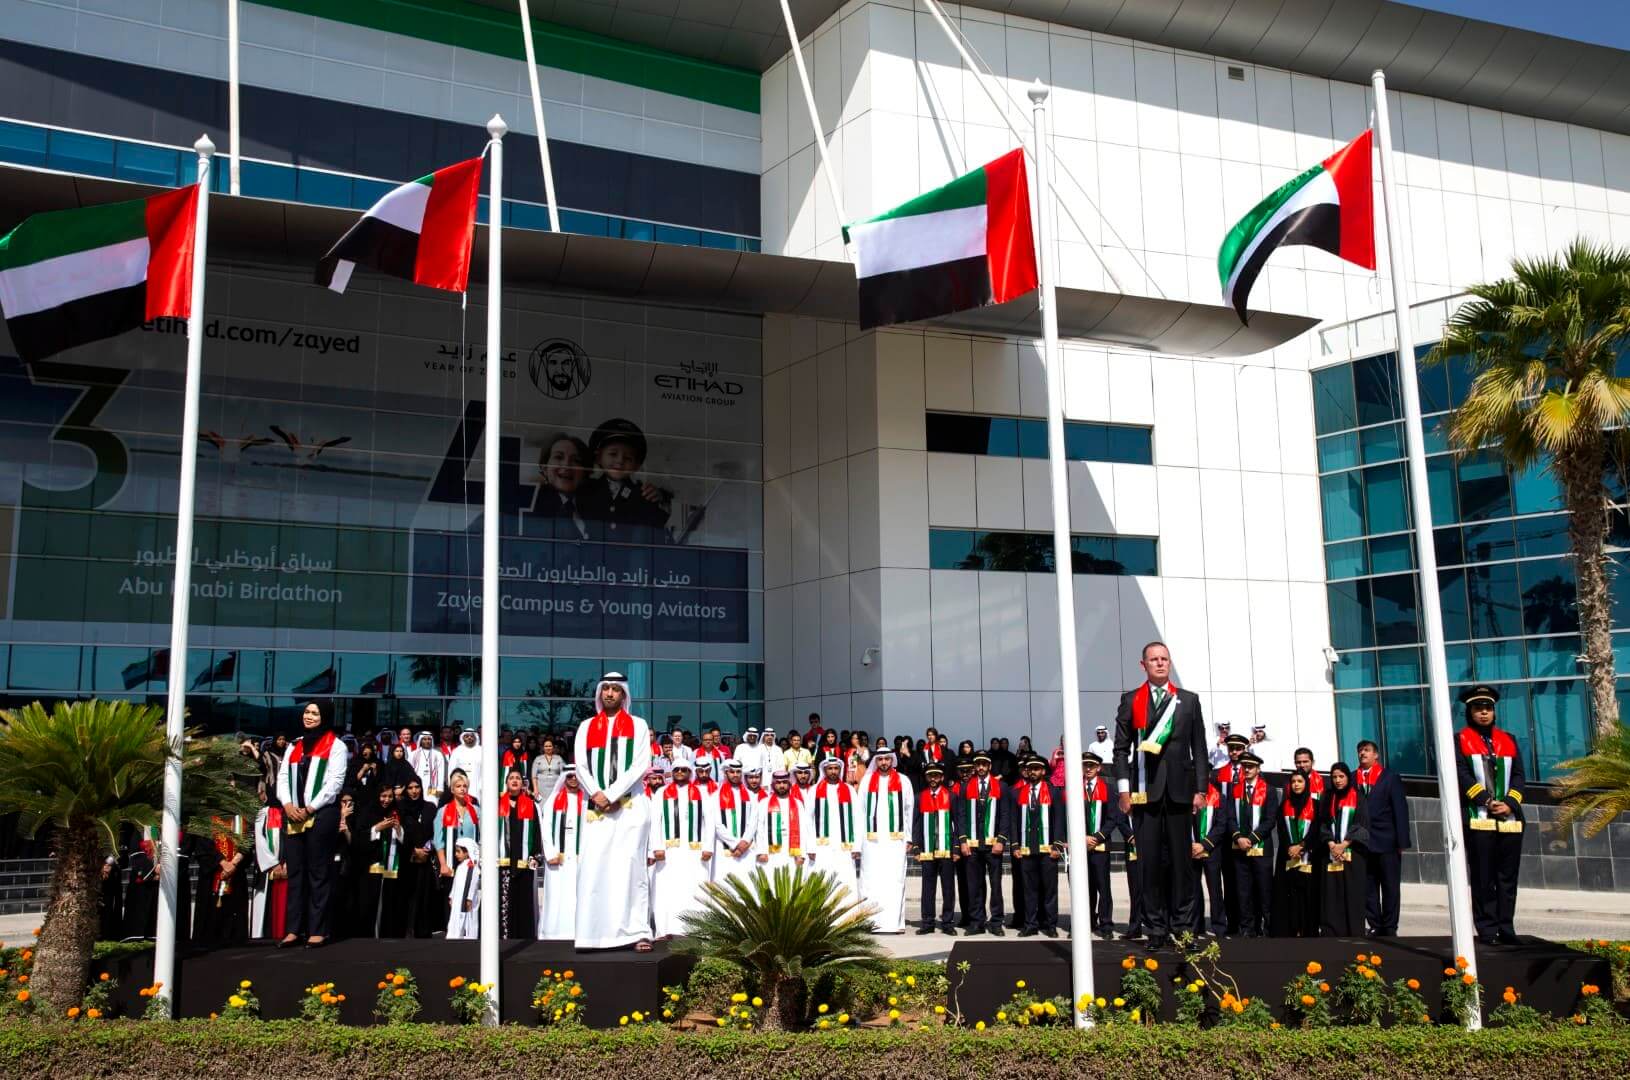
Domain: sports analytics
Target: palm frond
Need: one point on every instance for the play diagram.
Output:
(1595, 789)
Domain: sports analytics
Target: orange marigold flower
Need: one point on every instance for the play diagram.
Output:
(1152, 964)
(1307, 999)
(1462, 963)
(1129, 963)
(456, 981)
(566, 974)
(574, 991)
(1413, 984)
(1375, 959)
(398, 980)
(1578, 1019)
(73, 1012)
(1314, 967)
(398, 992)
(22, 995)
(1324, 988)
(104, 977)
(1468, 979)
(1589, 990)
(1448, 971)
(94, 1014)
(381, 986)
(22, 978)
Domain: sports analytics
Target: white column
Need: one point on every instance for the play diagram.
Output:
(537, 119)
(181, 595)
(493, 431)
(1441, 715)
(232, 142)
(1075, 811)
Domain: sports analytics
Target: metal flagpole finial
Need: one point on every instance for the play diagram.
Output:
(205, 146)
(496, 127)
(1039, 92)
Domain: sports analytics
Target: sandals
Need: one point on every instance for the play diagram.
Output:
(642, 945)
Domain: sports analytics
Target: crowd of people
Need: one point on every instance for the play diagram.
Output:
(609, 841)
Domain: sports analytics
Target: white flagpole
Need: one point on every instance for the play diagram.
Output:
(1075, 811)
(832, 185)
(232, 144)
(181, 595)
(1440, 716)
(537, 119)
(490, 785)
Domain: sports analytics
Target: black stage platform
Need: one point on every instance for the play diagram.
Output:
(1548, 975)
(615, 981)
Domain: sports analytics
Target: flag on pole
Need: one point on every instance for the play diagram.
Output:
(960, 246)
(422, 231)
(1330, 206)
(68, 277)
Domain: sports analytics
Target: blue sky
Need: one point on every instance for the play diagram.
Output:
(1604, 22)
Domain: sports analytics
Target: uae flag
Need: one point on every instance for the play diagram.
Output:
(69, 277)
(421, 231)
(1330, 206)
(961, 246)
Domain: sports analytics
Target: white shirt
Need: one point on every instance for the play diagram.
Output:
(1104, 748)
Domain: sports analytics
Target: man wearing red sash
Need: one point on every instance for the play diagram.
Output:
(613, 754)
(1213, 825)
(734, 824)
(1490, 770)
(836, 821)
(887, 800)
(1161, 772)
(308, 787)
(1389, 838)
(1039, 840)
(783, 837)
(562, 846)
(681, 847)
(932, 829)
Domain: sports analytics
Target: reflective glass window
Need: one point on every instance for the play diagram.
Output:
(1386, 499)
(1403, 723)
(1375, 389)
(1390, 554)
(1500, 660)
(1484, 487)
(1342, 497)
(1337, 452)
(1496, 605)
(1351, 624)
(1355, 671)
(1358, 717)
(1549, 596)
(1379, 444)
(1396, 621)
(1400, 667)
(1561, 724)
(1346, 560)
(1535, 490)
(1334, 408)
(53, 667)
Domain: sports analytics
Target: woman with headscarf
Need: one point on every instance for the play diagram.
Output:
(828, 748)
(397, 769)
(1295, 910)
(308, 787)
(907, 761)
(1343, 843)
(410, 896)
(365, 772)
(376, 856)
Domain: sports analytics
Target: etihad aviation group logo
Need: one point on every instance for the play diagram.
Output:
(560, 368)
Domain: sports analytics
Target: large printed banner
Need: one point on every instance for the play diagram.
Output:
(340, 458)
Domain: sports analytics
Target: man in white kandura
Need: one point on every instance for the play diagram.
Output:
(832, 804)
(781, 837)
(563, 809)
(613, 753)
(886, 802)
(681, 847)
(733, 824)
(749, 754)
(467, 756)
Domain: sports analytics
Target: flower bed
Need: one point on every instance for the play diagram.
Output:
(402, 1052)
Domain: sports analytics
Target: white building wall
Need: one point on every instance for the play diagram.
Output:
(1159, 151)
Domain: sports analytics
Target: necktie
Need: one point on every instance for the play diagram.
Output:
(1157, 698)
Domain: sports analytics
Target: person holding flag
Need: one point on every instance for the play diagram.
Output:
(680, 850)
(886, 802)
(832, 809)
(932, 837)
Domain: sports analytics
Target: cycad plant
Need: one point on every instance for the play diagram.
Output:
(1543, 348)
(83, 770)
(1596, 789)
(782, 929)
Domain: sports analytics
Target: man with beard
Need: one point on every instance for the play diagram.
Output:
(832, 807)
(781, 837)
(556, 511)
(932, 829)
(612, 754)
(886, 805)
(680, 849)
(983, 825)
(430, 765)
(734, 824)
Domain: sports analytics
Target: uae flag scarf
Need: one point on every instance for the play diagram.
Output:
(68, 277)
(935, 806)
(422, 231)
(784, 824)
(1154, 741)
(1342, 809)
(682, 826)
(611, 746)
(1206, 814)
(960, 246)
(1097, 796)
(304, 793)
(1035, 816)
(450, 815)
(734, 799)
(567, 803)
(516, 813)
(1491, 761)
(896, 810)
(982, 811)
(826, 793)
(1330, 207)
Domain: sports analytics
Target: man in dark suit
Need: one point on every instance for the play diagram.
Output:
(1162, 773)
(1389, 839)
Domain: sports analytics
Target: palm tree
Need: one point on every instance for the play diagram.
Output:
(1543, 346)
(1596, 789)
(85, 770)
(782, 929)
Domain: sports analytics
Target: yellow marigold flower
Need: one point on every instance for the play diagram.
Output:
(246, 984)
(1001, 1014)
(236, 1002)
(1152, 964)
(979, 1026)
(1051, 1009)
(1119, 1002)
(738, 998)
(843, 1018)
(673, 997)
(758, 1003)
(571, 1006)
(720, 1021)
(638, 1017)
(622, 1021)
(894, 975)
(911, 980)
(1019, 983)
(1037, 1008)
(894, 1014)
(939, 1010)
(824, 1024)
(667, 1014)
(894, 1001)
(1274, 1026)
(1100, 1003)
(1314, 967)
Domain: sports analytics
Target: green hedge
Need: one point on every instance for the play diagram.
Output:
(291, 1049)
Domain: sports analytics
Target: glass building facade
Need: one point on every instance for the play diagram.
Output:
(1505, 575)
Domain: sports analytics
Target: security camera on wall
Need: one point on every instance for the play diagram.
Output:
(869, 657)
(1331, 656)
